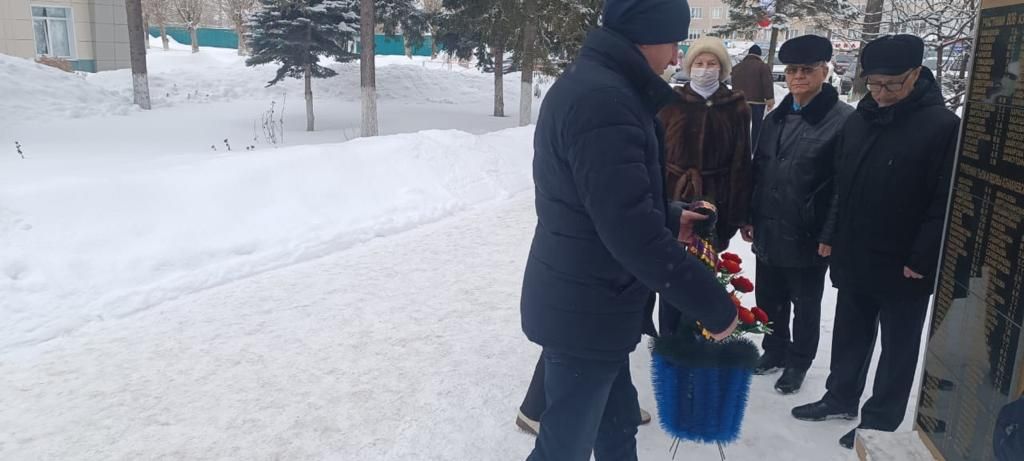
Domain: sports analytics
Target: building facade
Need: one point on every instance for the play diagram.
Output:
(90, 34)
(705, 15)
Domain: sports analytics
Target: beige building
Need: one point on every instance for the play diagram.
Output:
(705, 15)
(91, 34)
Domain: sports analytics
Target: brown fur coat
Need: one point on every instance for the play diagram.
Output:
(707, 147)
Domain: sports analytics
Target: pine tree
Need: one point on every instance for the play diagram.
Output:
(296, 33)
(564, 25)
(486, 30)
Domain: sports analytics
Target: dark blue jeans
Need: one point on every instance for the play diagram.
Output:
(592, 406)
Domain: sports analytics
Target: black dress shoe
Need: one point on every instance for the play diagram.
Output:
(846, 441)
(791, 380)
(822, 411)
(769, 363)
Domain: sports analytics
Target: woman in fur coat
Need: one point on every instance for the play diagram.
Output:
(707, 147)
(707, 139)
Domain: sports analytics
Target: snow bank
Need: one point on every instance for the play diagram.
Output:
(31, 90)
(177, 76)
(105, 244)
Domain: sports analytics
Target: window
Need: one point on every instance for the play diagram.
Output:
(696, 13)
(52, 27)
(716, 13)
(695, 34)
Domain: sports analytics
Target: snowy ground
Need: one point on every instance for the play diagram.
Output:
(354, 301)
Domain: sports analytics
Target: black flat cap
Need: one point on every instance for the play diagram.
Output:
(807, 49)
(892, 55)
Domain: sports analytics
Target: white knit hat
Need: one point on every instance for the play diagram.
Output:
(713, 45)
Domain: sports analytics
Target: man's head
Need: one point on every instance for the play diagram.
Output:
(661, 56)
(806, 59)
(756, 50)
(656, 26)
(892, 66)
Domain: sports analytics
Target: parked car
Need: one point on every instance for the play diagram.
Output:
(843, 62)
(507, 68)
(779, 74)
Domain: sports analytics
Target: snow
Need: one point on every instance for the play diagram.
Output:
(887, 446)
(106, 244)
(325, 299)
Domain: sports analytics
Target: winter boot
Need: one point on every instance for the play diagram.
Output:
(822, 411)
(769, 363)
(791, 380)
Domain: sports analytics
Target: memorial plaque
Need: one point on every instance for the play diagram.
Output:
(973, 362)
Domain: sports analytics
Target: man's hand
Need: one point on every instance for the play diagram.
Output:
(769, 105)
(824, 250)
(728, 331)
(686, 223)
(910, 274)
(747, 232)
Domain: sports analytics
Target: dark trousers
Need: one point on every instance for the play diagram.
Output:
(592, 406)
(535, 403)
(756, 120)
(782, 291)
(858, 316)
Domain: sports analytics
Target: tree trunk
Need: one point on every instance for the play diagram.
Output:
(163, 36)
(499, 80)
(145, 27)
(194, 36)
(433, 47)
(938, 66)
(368, 68)
(771, 48)
(243, 47)
(137, 53)
(529, 51)
(309, 97)
(872, 24)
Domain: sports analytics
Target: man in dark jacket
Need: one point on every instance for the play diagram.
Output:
(793, 170)
(753, 78)
(602, 241)
(893, 169)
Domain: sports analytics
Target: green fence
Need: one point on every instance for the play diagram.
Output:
(395, 46)
(215, 38)
(227, 38)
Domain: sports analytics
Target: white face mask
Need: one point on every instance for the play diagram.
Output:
(705, 76)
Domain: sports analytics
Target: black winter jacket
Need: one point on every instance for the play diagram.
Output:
(892, 188)
(603, 240)
(793, 179)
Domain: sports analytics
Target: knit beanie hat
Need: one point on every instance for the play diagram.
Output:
(711, 45)
(648, 22)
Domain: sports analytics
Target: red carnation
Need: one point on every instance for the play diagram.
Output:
(732, 257)
(760, 314)
(746, 316)
(730, 266)
(743, 284)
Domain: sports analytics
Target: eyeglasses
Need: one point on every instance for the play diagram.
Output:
(805, 70)
(892, 87)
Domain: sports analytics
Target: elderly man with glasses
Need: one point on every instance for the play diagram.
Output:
(893, 167)
(793, 188)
